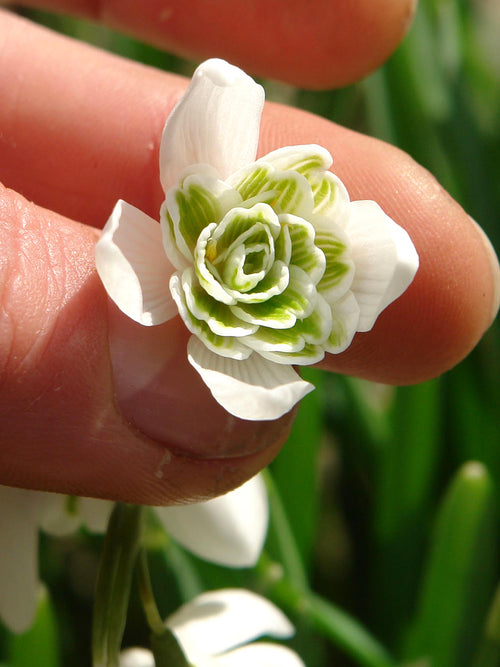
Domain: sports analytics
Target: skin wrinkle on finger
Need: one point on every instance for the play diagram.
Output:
(286, 39)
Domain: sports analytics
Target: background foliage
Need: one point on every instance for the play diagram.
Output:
(384, 540)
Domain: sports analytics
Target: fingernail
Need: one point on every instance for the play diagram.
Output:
(160, 394)
(495, 270)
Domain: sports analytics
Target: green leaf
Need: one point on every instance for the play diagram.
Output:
(488, 652)
(167, 651)
(295, 470)
(120, 550)
(408, 455)
(462, 538)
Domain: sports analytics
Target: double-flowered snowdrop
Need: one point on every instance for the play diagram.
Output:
(216, 628)
(268, 262)
(229, 530)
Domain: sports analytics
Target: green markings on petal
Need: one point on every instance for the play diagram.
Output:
(330, 196)
(292, 194)
(297, 301)
(252, 180)
(316, 328)
(312, 162)
(339, 270)
(305, 254)
(202, 199)
(218, 316)
(207, 274)
(310, 354)
(272, 269)
(241, 223)
(226, 346)
(242, 246)
(303, 159)
(275, 340)
(275, 282)
(284, 191)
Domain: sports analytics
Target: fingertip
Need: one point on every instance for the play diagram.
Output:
(329, 43)
(448, 307)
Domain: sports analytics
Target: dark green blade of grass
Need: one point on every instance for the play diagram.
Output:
(295, 470)
(403, 502)
(456, 584)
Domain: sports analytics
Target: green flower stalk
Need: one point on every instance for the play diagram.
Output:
(268, 262)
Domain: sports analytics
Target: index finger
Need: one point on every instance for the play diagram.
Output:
(76, 144)
(313, 45)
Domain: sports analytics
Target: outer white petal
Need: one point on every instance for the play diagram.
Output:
(218, 621)
(133, 266)
(261, 654)
(18, 557)
(345, 321)
(302, 157)
(255, 388)
(385, 259)
(216, 122)
(136, 657)
(229, 530)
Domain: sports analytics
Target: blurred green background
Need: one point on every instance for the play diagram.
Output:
(384, 540)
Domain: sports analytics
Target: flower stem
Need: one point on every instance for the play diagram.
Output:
(114, 580)
(146, 593)
(164, 644)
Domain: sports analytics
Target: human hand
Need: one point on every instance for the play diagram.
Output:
(80, 129)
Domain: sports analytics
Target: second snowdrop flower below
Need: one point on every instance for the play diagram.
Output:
(216, 628)
(229, 530)
(268, 262)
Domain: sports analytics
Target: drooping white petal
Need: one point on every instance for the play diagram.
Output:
(216, 122)
(263, 654)
(136, 657)
(18, 557)
(255, 388)
(219, 621)
(385, 259)
(229, 530)
(58, 514)
(133, 266)
(61, 515)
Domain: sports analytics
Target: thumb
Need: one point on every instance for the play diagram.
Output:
(77, 414)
